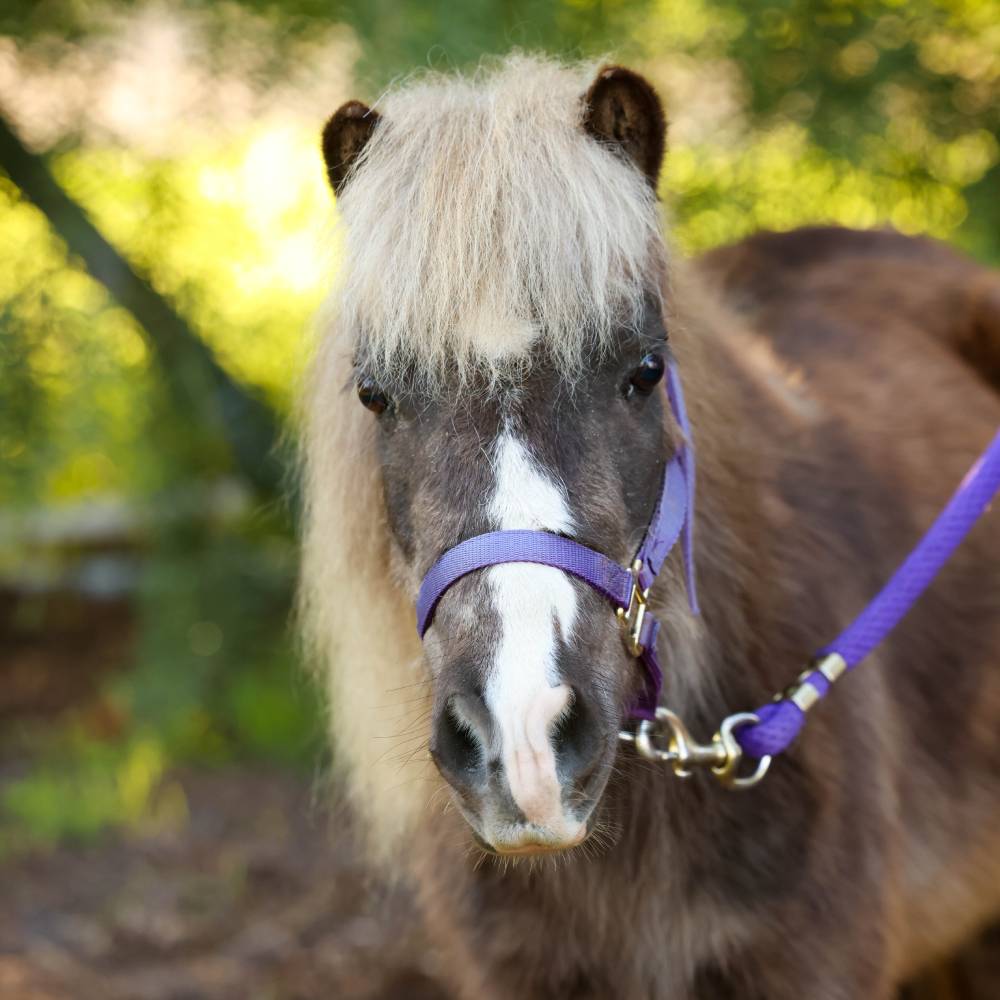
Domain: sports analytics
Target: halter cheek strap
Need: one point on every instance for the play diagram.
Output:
(626, 588)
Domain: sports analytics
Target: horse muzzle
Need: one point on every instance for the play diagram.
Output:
(527, 783)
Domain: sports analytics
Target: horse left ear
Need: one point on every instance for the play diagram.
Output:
(622, 109)
(344, 137)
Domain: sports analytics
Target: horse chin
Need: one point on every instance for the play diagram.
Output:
(530, 842)
(521, 839)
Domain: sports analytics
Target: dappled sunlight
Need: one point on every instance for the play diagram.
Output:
(159, 78)
(762, 138)
(236, 236)
(780, 180)
(207, 174)
(71, 429)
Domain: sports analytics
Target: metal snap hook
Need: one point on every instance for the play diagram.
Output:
(644, 738)
(687, 752)
(683, 753)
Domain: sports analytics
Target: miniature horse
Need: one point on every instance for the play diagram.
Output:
(492, 361)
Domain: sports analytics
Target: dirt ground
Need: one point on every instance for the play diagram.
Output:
(259, 897)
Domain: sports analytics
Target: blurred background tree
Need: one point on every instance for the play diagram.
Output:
(166, 242)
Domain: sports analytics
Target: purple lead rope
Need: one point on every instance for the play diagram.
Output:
(780, 721)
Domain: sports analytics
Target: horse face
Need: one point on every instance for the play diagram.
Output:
(491, 213)
(531, 678)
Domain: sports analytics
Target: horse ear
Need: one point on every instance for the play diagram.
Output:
(344, 137)
(622, 109)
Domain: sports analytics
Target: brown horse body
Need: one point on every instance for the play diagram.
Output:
(840, 384)
(833, 416)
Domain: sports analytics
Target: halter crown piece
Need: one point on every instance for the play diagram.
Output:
(660, 734)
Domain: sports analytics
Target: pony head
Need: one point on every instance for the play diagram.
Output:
(498, 338)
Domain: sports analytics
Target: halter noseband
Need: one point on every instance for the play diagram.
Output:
(626, 588)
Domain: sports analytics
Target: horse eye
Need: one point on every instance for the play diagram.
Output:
(647, 376)
(371, 396)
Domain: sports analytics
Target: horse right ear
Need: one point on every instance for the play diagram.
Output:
(344, 137)
(621, 109)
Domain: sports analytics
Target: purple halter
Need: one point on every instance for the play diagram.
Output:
(626, 589)
(773, 727)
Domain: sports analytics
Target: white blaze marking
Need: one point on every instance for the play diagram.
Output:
(523, 690)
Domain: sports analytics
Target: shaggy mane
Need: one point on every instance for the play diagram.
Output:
(481, 220)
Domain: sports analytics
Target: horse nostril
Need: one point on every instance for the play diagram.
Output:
(576, 740)
(458, 746)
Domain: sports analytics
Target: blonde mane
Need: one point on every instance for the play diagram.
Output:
(484, 219)
(481, 221)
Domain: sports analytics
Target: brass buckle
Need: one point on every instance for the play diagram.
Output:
(632, 618)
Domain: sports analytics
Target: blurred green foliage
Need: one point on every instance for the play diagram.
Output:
(212, 674)
(862, 112)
